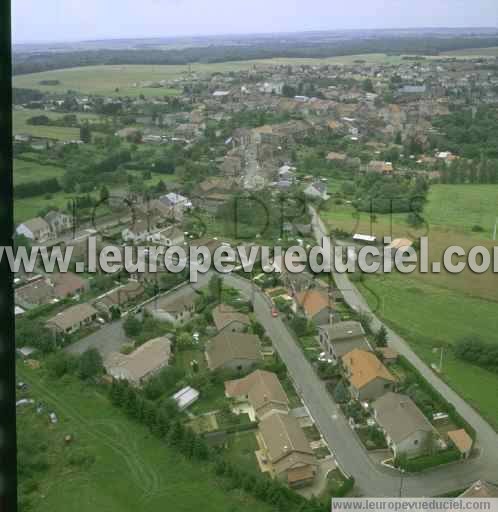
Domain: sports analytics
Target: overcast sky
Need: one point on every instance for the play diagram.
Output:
(69, 20)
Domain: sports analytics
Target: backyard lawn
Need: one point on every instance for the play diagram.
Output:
(131, 469)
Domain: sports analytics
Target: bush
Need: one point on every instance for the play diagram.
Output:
(455, 417)
(428, 461)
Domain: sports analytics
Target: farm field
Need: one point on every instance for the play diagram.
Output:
(446, 225)
(29, 207)
(460, 207)
(104, 80)
(132, 470)
(473, 52)
(20, 125)
(430, 317)
(25, 172)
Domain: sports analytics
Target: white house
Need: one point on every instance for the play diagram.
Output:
(36, 229)
(316, 190)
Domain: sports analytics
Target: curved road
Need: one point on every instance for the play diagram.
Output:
(372, 479)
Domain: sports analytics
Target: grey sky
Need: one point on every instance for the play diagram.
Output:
(61, 20)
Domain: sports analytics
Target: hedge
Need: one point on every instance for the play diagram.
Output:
(345, 488)
(454, 415)
(429, 461)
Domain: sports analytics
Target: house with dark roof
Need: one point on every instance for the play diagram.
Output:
(227, 318)
(261, 390)
(337, 339)
(285, 452)
(233, 351)
(408, 432)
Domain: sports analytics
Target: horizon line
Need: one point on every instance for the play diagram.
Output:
(247, 34)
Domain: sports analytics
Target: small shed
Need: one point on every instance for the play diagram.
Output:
(185, 397)
(462, 441)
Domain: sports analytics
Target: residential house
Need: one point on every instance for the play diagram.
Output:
(337, 339)
(316, 305)
(233, 351)
(226, 318)
(119, 297)
(58, 222)
(177, 203)
(169, 236)
(138, 230)
(72, 319)
(36, 292)
(408, 432)
(214, 191)
(380, 167)
(368, 378)
(36, 229)
(261, 391)
(176, 308)
(142, 363)
(317, 190)
(285, 451)
(68, 284)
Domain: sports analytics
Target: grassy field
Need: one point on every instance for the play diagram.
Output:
(132, 469)
(473, 52)
(460, 207)
(105, 80)
(25, 209)
(25, 172)
(20, 125)
(430, 317)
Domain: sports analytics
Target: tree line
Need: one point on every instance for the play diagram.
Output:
(265, 49)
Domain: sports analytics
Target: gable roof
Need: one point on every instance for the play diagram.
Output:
(461, 440)
(223, 315)
(313, 301)
(260, 387)
(67, 283)
(364, 367)
(147, 358)
(399, 416)
(285, 442)
(36, 224)
(226, 347)
(73, 315)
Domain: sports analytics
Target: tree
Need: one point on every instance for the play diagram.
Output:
(368, 85)
(341, 394)
(132, 326)
(90, 364)
(85, 133)
(104, 193)
(381, 337)
(214, 288)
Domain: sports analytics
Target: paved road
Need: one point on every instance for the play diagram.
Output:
(436, 481)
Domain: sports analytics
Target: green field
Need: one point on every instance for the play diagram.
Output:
(473, 52)
(25, 172)
(132, 469)
(25, 209)
(460, 207)
(429, 317)
(20, 125)
(104, 80)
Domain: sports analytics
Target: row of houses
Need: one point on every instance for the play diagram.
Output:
(41, 229)
(284, 450)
